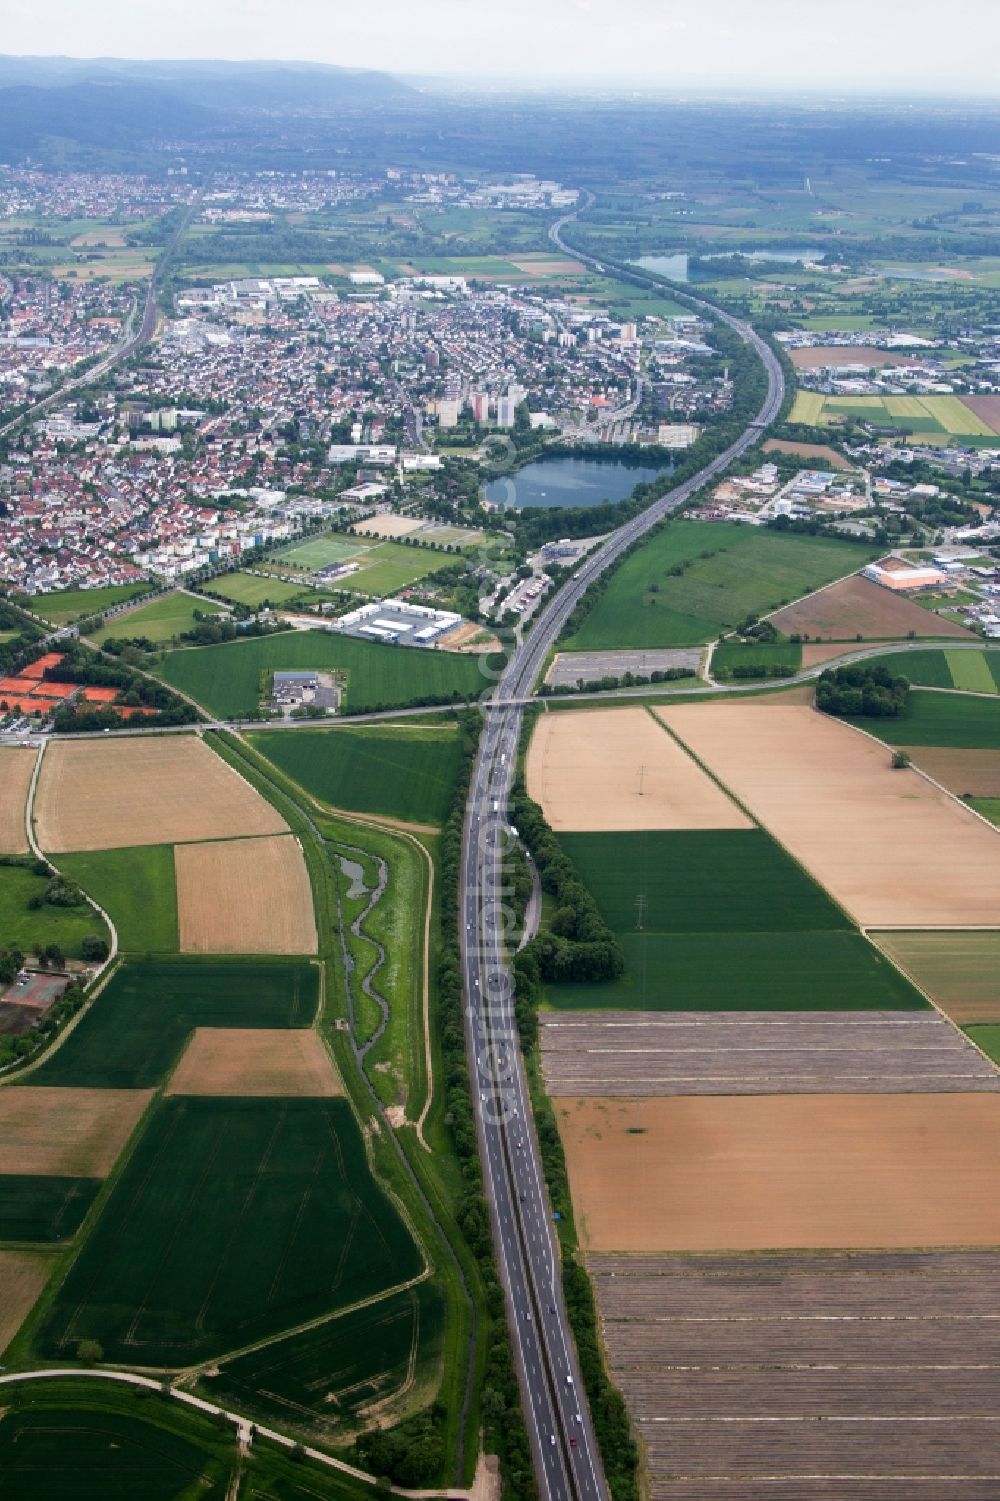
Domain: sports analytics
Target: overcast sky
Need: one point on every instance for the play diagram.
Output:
(906, 44)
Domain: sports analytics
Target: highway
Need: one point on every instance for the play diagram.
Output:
(567, 1462)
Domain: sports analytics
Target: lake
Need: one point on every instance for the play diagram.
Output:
(676, 266)
(570, 482)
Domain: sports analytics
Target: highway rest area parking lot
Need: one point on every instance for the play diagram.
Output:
(783, 1177)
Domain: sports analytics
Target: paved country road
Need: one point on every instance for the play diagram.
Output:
(567, 1461)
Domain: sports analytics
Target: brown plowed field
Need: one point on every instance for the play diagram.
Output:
(23, 1274)
(777, 1376)
(815, 653)
(858, 607)
(986, 408)
(627, 1054)
(890, 847)
(257, 1061)
(960, 971)
(16, 766)
(823, 456)
(71, 1133)
(614, 769)
(961, 771)
(153, 789)
(783, 1171)
(839, 356)
(244, 896)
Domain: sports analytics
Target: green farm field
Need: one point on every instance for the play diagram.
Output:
(764, 655)
(227, 679)
(35, 1207)
(749, 571)
(135, 1030)
(728, 922)
(968, 670)
(75, 604)
(95, 1450)
(137, 889)
(326, 1375)
(22, 927)
(250, 590)
(164, 1277)
(951, 719)
(163, 619)
(386, 769)
(925, 415)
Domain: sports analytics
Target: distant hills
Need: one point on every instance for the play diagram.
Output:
(51, 105)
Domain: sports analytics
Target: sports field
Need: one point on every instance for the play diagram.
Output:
(68, 1133)
(136, 888)
(829, 794)
(942, 719)
(163, 619)
(744, 1173)
(727, 572)
(42, 1207)
(76, 604)
(257, 1061)
(389, 566)
(226, 680)
(604, 769)
(355, 1368)
(317, 552)
(857, 606)
(136, 1029)
(150, 789)
(960, 971)
(722, 921)
(23, 1274)
(244, 896)
(16, 766)
(395, 770)
(164, 1277)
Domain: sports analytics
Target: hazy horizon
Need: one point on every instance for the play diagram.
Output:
(898, 46)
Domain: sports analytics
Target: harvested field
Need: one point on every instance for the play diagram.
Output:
(255, 1062)
(244, 896)
(986, 408)
(390, 526)
(961, 771)
(23, 1274)
(154, 789)
(796, 1172)
(830, 794)
(69, 1133)
(16, 766)
(651, 1053)
(839, 356)
(959, 971)
(615, 769)
(855, 607)
(855, 1377)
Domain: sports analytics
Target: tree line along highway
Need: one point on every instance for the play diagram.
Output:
(567, 1461)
